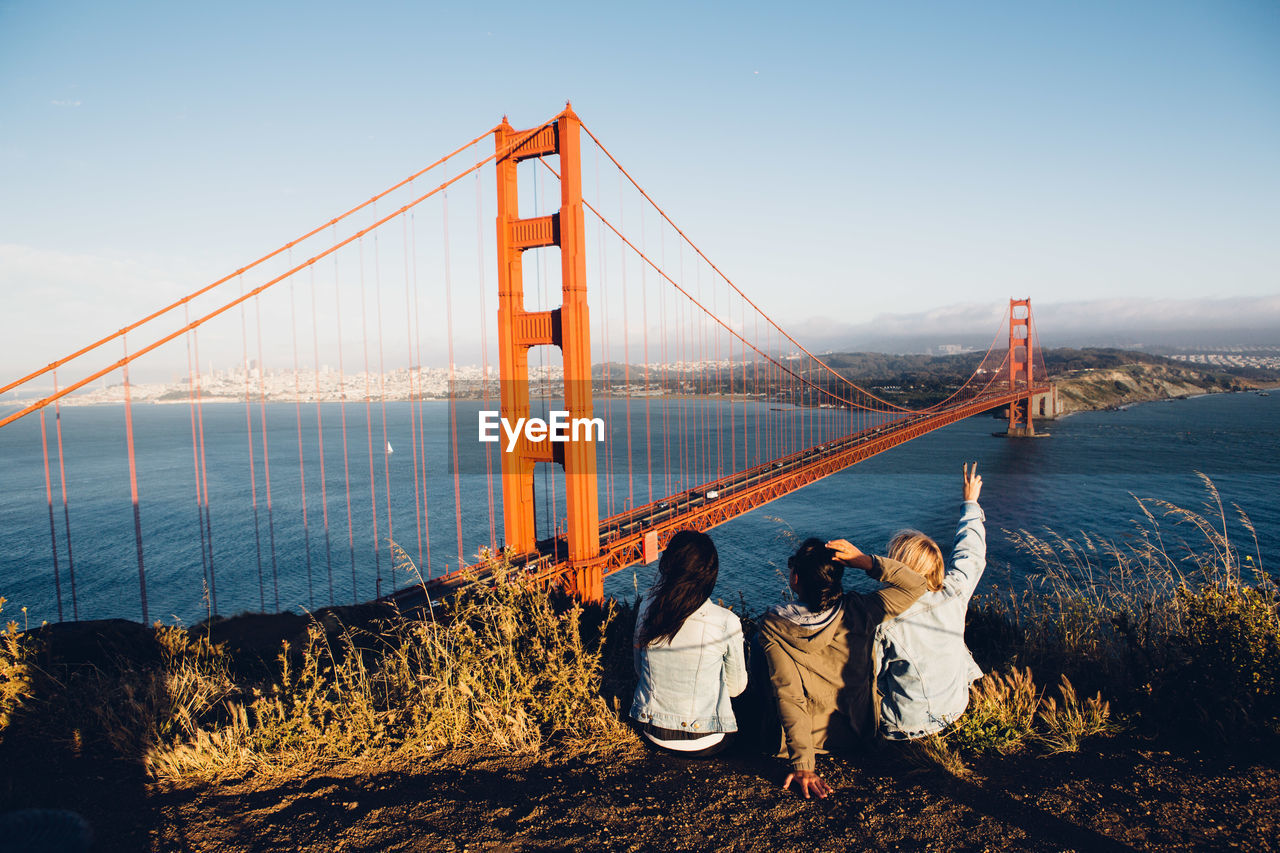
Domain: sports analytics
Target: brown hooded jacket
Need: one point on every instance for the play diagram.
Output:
(821, 668)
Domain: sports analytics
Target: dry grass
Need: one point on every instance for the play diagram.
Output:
(135, 710)
(1062, 726)
(1008, 713)
(511, 667)
(1001, 714)
(1176, 624)
(933, 751)
(16, 672)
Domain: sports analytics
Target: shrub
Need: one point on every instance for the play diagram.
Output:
(137, 710)
(1166, 623)
(16, 671)
(1001, 714)
(1062, 727)
(510, 667)
(1230, 672)
(1008, 713)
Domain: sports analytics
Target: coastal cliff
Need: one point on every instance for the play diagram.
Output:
(1110, 387)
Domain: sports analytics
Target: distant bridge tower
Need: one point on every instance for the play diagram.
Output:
(1020, 368)
(565, 327)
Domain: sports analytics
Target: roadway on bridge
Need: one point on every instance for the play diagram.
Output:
(622, 536)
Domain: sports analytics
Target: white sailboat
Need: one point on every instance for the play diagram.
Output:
(389, 449)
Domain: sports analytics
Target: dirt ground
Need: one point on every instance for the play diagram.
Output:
(1121, 794)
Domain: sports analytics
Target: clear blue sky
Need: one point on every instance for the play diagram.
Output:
(838, 160)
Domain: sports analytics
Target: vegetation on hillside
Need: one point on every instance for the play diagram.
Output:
(922, 380)
(15, 670)
(1175, 625)
(1172, 634)
(509, 666)
(1100, 377)
(1105, 388)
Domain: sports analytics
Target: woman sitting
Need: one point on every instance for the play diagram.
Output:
(925, 667)
(688, 654)
(819, 651)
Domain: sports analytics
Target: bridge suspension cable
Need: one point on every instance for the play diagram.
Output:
(734, 286)
(138, 353)
(710, 407)
(876, 404)
(286, 247)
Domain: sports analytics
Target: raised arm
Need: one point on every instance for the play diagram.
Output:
(969, 554)
(904, 585)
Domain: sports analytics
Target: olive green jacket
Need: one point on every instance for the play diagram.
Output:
(822, 671)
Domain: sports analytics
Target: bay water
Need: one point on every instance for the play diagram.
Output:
(1085, 479)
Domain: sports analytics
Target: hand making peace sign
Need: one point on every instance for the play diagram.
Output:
(972, 482)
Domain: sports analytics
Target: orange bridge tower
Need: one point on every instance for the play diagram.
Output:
(1020, 368)
(565, 327)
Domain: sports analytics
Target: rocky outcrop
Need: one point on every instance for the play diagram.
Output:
(1107, 388)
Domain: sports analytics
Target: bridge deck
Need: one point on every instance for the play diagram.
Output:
(710, 504)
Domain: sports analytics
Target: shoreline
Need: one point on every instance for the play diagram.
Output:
(1110, 389)
(1118, 403)
(1144, 401)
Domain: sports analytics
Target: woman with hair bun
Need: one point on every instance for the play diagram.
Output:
(925, 668)
(688, 654)
(819, 652)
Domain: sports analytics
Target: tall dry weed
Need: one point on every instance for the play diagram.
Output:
(1001, 714)
(1008, 713)
(510, 667)
(16, 671)
(138, 709)
(1062, 725)
(1176, 604)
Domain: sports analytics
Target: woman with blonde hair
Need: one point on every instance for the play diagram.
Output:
(924, 668)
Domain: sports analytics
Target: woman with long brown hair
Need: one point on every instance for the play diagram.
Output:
(688, 654)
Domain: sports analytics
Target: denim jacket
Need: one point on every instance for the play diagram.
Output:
(924, 667)
(685, 684)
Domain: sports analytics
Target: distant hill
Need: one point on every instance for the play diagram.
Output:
(921, 380)
(1092, 377)
(1111, 387)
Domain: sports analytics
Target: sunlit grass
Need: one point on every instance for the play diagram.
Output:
(509, 668)
(1170, 632)
(1174, 623)
(15, 670)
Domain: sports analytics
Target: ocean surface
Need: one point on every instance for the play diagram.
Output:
(1085, 480)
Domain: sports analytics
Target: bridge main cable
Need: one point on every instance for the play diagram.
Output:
(286, 247)
(800, 378)
(726, 279)
(194, 324)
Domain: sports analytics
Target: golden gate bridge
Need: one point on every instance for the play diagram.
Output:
(710, 408)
